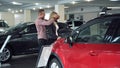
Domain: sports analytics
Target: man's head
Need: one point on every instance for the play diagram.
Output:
(41, 13)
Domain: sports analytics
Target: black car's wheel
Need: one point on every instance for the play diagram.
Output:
(6, 55)
(54, 63)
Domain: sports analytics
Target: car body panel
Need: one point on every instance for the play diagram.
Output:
(24, 38)
(88, 55)
(104, 53)
(110, 56)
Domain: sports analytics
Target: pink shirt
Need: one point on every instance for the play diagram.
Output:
(40, 26)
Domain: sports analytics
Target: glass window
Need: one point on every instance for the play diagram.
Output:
(116, 38)
(33, 29)
(29, 29)
(25, 30)
(94, 33)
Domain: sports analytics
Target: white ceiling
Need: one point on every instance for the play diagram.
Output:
(29, 4)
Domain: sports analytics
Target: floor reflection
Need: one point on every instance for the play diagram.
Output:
(24, 61)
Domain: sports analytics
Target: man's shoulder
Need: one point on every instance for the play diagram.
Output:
(37, 20)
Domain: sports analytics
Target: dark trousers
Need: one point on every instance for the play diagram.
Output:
(50, 41)
(41, 43)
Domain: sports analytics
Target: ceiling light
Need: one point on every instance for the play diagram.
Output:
(9, 9)
(40, 7)
(73, 2)
(114, 0)
(16, 3)
(34, 9)
(21, 10)
(16, 11)
(36, 3)
(48, 6)
(88, 0)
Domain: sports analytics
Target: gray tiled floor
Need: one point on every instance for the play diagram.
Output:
(24, 61)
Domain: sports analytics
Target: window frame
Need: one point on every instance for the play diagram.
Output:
(90, 23)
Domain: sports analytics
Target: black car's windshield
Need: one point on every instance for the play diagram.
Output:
(16, 28)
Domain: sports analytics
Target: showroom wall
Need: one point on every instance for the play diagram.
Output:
(9, 17)
(19, 18)
(89, 16)
(87, 13)
(34, 14)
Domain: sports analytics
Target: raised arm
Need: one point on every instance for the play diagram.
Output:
(44, 22)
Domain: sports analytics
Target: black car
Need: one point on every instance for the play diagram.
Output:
(23, 40)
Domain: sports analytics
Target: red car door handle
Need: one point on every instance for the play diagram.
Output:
(93, 53)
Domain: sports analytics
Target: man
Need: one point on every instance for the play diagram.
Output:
(41, 30)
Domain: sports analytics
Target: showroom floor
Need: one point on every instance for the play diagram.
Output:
(24, 61)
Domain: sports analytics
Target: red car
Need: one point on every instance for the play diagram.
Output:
(93, 45)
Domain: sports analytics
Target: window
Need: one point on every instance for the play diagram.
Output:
(33, 29)
(25, 30)
(94, 33)
(30, 29)
(116, 38)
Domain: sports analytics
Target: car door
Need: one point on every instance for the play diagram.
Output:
(29, 38)
(88, 43)
(110, 54)
(34, 41)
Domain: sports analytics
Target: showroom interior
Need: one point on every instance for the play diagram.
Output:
(74, 13)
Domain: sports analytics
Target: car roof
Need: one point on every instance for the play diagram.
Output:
(28, 23)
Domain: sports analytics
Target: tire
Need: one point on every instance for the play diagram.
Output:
(54, 63)
(6, 55)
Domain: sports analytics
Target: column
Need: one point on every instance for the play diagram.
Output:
(27, 16)
(60, 10)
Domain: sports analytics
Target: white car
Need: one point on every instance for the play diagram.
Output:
(3, 26)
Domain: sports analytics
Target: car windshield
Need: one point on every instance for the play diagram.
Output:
(16, 28)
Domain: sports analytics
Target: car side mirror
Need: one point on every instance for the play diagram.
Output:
(69, 40)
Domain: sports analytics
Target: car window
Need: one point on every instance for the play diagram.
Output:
(116, 38)
(29, 29)
(33, 29)
(94, 33)
(25, 30)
